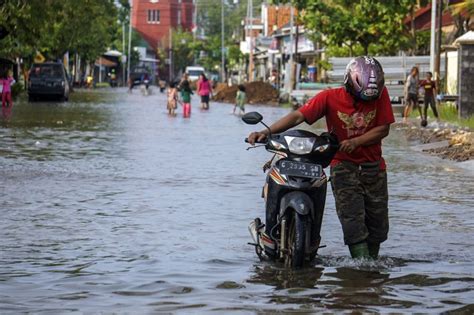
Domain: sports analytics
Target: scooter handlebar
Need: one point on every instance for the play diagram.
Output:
(247, 141)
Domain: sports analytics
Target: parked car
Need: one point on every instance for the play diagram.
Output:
(194, 72)
(48, 79)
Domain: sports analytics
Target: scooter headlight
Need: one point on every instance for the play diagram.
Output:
(299, 145)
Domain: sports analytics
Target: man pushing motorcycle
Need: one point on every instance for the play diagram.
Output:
(360, 114)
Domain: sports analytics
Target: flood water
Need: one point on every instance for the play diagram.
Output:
(109, 205)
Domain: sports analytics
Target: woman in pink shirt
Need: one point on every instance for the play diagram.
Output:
(204, 89)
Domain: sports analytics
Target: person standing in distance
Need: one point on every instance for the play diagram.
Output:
(429, 99)
(360, 114)
(411, 94)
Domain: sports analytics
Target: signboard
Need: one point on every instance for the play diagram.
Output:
(304, 44)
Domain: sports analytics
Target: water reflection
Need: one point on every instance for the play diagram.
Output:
(6, 114)
(280, 277)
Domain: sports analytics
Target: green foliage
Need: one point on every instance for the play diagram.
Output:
(210, 27)
(375, 26)
(423, 42)
(234, 55)
(184, 49)
(209, 17)
(55, 27)
(17, 88)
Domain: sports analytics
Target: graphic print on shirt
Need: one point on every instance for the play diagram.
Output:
(357, 123)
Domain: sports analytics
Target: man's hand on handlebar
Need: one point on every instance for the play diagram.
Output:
(257, 137)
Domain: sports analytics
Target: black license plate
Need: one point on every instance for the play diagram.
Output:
(300, 169)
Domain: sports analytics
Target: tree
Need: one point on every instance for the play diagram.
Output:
(55, 27)
(376, 26)
(462, 13)
(184, 48)
(209, 26)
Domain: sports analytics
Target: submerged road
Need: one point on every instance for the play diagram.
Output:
(107, 204)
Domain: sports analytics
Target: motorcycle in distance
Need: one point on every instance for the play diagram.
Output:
(294, 193)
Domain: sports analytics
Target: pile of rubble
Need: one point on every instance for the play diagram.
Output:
(460, 142)
(257, 93)
(461, 146)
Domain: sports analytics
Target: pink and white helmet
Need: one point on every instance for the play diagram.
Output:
(364, 78)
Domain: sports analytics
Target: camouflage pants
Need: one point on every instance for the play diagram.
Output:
(361, 201)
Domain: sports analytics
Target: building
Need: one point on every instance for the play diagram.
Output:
(153, 19)
(275, 17)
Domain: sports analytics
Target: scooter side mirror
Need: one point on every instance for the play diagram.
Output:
(252, 118)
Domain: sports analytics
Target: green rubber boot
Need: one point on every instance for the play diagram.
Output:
(374, 250)
(359, 250)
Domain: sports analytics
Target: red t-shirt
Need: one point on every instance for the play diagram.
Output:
(348, 119)
(428, 86)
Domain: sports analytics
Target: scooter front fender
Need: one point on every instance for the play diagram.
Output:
(298, 201)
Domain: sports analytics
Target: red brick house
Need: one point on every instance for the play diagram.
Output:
(152, 19)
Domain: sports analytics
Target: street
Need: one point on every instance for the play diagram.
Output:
(109, 204)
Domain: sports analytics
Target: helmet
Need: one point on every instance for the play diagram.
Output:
(364, 78)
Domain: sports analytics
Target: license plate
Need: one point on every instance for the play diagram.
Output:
(300, 169)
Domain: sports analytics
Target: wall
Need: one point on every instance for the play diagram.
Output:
(466, 80)
(452, 74)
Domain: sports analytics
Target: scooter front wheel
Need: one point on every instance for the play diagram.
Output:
(296, 241)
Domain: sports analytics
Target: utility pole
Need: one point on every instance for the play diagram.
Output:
(250, 17)
(222, 43)
(170, 56)
(292, 18)
(123, 55)
(437, 73)
(195, 18)
(129, 38)
(433, 36)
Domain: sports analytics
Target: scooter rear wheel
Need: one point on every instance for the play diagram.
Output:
(296, 241)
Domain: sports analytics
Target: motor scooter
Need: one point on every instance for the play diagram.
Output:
(145, 87)
(294, 193)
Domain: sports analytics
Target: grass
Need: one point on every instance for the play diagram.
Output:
(449, 113)
(102, 85)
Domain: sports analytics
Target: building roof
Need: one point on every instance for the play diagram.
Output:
(113, 53)
(467, 38)
(105, 62)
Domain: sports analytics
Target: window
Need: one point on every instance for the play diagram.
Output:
(154, 16)
(179, 17)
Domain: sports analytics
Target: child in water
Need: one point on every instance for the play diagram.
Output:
(240, 99)
(172, 99)
(186, 93)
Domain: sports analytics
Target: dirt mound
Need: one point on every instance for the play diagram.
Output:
(461, 142)
(257, 93)
(459, 152)
(219, 87)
